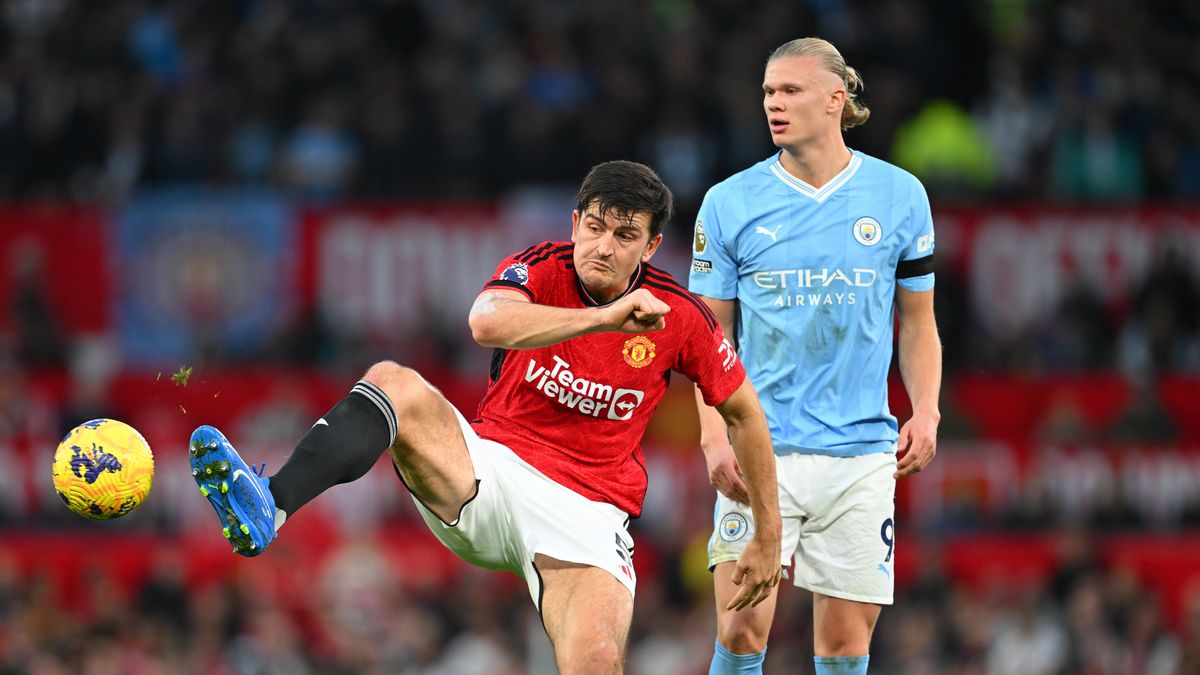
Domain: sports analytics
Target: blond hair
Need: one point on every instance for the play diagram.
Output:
(854, 112)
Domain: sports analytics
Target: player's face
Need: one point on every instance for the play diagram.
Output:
(803, 100)
(608, 250)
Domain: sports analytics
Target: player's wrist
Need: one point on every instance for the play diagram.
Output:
(714, 447)
(768, 540)
(598, 320)
(768, 528)
(930, 411)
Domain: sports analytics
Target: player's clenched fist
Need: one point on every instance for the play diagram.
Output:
(637, 312)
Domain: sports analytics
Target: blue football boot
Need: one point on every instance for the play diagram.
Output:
(239, 494)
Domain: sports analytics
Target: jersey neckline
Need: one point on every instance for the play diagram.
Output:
(589, 301)
(824, 192)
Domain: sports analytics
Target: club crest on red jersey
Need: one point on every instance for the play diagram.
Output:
(638, 351)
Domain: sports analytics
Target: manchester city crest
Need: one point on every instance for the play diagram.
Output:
(867, 231)
(733, 526)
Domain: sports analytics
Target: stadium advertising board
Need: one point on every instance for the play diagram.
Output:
(60, 253)
(201, 271)
(1019, 263)
(396, 272)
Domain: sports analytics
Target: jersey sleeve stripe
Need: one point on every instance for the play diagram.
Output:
(532, 251)
(663, 277)
(708, 317)
(907, 269)
(505, 283)
(543, 255)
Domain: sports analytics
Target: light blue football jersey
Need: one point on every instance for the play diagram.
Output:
(814, 272)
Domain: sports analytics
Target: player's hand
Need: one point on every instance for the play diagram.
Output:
(917, 444)
(756, 572)
(638, 312)
(724, 473)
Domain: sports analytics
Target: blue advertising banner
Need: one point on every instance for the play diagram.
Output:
(202, 274)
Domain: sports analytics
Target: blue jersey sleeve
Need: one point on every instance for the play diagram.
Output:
(915, 271)
(714, 268)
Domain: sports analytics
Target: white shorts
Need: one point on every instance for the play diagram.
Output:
(519, 512)
(838, 522)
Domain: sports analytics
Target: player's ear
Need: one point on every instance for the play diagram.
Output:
(574, 224)
(651, 247)
(837, 99)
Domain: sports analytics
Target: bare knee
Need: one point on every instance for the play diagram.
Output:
(404, 386)
(839, 646)
(853, 640)
(388, 374)
(843, 627)
(740, 636)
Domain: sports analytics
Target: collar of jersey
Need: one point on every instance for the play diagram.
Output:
(825, 191)
(589, 301)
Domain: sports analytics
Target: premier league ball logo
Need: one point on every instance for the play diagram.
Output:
(517, 273)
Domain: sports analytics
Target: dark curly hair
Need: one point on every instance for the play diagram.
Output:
(627, 188)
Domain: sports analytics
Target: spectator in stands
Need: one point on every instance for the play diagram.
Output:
(1028, 640)
(40, 341)
(523, 86)
(1145, 419)
(1162, 332)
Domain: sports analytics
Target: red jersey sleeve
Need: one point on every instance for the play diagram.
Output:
(708, 359)
(531, 271)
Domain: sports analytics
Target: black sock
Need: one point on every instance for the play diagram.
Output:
(342, 446)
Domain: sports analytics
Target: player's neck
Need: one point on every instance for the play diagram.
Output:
(607, 294)
(816, 163)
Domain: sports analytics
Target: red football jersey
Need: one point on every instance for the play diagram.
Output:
(577, 410)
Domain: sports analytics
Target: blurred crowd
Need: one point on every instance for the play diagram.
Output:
(1144, 329)
(359, 614)
(1002, 102)
(1064, 102)
(1072, 100)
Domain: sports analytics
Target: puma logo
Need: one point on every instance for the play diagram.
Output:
(759, 229)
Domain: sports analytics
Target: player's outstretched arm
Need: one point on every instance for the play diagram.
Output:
(508, 320)
(723, 471)
(920, 356)
(757, 570)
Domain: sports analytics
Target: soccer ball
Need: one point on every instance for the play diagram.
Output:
(103, 469)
